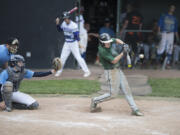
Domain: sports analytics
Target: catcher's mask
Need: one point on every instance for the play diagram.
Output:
(13, 45)
(65, 15)
(17, 62)
(105, 38)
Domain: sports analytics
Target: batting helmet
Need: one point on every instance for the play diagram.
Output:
(105, 38)
(65, 15)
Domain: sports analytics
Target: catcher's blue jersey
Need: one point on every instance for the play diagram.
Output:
(168, 23)
(4, 75)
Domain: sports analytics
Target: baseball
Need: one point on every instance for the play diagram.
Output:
(141, 56)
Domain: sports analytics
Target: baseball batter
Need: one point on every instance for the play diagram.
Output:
(71, 44)
(10, 80)
(113, 74)
(168, 27)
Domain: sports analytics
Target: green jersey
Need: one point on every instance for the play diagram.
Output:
(106, 56)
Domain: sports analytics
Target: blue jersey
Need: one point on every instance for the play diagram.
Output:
(4, 55)
(70, 30)
(168, 23)
(4, 75)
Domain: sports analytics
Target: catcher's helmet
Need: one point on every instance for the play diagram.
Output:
(65, 15)
(105, 38)
(14, 59)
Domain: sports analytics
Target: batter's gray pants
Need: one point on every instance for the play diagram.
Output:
(117, 81)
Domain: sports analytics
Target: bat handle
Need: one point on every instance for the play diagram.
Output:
(128, 61)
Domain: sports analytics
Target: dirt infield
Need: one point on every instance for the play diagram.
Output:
(71, 116)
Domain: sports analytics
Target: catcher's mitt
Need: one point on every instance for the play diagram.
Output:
(56, 64)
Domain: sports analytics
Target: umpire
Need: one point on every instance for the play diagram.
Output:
(113, 74)
(6, 50)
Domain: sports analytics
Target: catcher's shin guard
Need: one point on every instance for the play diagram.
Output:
(7, 95)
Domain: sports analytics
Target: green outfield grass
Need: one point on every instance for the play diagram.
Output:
(165, 87)
(74, 86)
(160, 87)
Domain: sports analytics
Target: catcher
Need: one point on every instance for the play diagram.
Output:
(114, 76)
(10, 80)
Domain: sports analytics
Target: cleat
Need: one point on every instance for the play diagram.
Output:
(137, 113)
(93, 107)
(8, 109)
(86, 74)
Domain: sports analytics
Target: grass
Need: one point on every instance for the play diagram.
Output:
(165, 87)
(160, 87)
(74, 86)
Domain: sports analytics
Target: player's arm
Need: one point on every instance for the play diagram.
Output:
(119, 41)
(57, 21)
(29, 74)
(117, 58)
(110, 58)
(5, 65)
(42, 74)
(76, 37)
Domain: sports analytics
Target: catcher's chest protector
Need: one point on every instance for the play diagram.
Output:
(15, 78)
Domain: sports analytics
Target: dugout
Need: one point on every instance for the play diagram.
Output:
(95, 12)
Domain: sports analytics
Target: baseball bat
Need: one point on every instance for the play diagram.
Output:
(72, 10)
(128, 61)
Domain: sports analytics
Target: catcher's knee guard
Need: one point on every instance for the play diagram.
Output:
(7, 95)
(33, 106)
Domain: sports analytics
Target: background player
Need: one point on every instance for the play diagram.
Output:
(114, 76)
(82, 33)
(133, 21)
(167, 27)
(71, 44)
(10, 80)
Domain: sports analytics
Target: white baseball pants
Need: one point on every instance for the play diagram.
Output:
(22, 98)
(74, 48)
(166, 43)
(83, 41)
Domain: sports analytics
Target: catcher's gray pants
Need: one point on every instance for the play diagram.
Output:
(117, 81)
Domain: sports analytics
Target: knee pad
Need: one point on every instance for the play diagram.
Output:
(8, 87)
(33, 106)
(7, 95)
